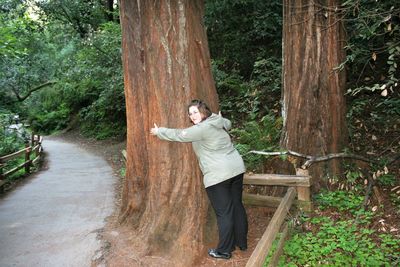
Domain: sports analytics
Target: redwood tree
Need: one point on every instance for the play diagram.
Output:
(313, 90)
(166, 64)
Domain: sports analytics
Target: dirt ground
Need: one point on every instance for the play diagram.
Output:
(120, 248)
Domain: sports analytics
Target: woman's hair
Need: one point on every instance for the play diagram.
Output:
(202, 106)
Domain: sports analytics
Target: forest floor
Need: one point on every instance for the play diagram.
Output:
(121, 249)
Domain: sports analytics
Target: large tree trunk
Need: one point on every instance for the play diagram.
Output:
(313, 91)
(166, 64)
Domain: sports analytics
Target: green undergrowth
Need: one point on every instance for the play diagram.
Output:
(340, 233)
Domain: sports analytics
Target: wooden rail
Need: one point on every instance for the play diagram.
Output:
(301, 181)
(34, 146)
(263, 247)
(299, 185)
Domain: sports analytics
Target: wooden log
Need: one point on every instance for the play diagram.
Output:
(36, 147)
(27, 158)
(32, 139)
(14, 155)
(257, 258)
(124, 154)
(261, 200)
(2, 183)
(272, 202)
(17, 168)
(279, 248)
(36, 159)
(1, 172)
(304, 192)
(277, 179)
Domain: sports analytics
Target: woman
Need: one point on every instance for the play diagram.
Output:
(222, 168)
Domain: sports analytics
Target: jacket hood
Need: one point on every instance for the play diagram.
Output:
(215, 120)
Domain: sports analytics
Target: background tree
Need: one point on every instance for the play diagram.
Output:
(166, 64)
(313, 90)
(87, 67)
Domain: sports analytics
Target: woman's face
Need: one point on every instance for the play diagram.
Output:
(195, 115)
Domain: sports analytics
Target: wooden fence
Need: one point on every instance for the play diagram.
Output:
(32, 149)
(299, 185)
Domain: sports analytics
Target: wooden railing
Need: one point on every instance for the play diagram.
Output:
(299, 185)
(301, 181)
(32, 148)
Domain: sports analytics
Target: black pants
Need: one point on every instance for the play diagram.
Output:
(226, 199)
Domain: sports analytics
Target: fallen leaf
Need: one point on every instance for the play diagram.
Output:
(373, 56)
(394, 188)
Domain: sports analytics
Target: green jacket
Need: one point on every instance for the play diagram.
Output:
(218, 158)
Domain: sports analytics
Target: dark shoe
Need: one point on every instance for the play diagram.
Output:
(219, 255)
(244, 248)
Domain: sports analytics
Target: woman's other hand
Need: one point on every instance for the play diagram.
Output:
(154, 131)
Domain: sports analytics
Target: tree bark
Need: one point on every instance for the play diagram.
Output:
(313, 91)
(166, 64)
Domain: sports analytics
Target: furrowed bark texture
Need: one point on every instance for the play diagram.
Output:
(313, 94)
(166, 64)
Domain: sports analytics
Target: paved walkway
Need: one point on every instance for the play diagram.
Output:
(53, 218)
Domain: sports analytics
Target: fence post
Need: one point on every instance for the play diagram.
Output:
(1, 171)
(33, 139)
(27, 158)
(38, 148)
(2, 182)
(304, 193)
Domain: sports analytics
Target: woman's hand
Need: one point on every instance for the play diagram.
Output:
(154, 131)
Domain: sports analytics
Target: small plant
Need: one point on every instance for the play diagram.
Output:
(340, 199)
(387, 180)
(122, 171)
(340, 241)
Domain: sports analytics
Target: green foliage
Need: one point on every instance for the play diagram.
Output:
(263, 135)
(387, 180)
(272, 250)
(54, 120)
(267, 74)
(340, 241)
(340, 199)
(25, 64)
(395, 200)
(241, 31)
(253, 99)
(373, 48)
(10, 143)
(74, 44)
(9, 140)
(82, 16)
(122, 172)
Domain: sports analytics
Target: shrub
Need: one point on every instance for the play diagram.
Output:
(263, 135)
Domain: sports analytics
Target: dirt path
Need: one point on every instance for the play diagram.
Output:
(53, 218)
